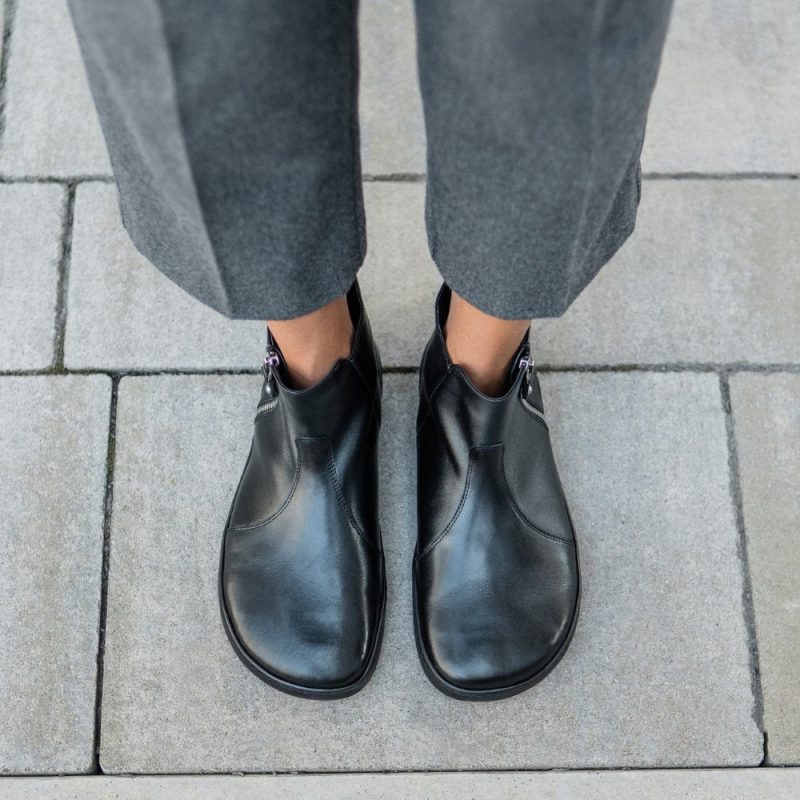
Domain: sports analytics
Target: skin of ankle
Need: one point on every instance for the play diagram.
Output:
(313, 343)
(481, 344)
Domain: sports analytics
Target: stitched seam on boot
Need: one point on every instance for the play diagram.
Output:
(457, 512)
(364, 381)
(429, 397)
(334, 478)
(374, 414)
(518, 511)
(283, 505)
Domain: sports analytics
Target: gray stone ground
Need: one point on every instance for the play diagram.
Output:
(675, 405)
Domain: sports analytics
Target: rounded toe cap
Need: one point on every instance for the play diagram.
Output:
(494, 653)
(316, 658)
(308, 664)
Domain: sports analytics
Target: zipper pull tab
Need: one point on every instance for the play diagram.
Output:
(527, 365)
(271, 360)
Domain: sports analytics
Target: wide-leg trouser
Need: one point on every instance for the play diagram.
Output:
(233, 133)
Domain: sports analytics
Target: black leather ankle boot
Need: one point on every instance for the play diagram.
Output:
(301, 582)
(496, 580)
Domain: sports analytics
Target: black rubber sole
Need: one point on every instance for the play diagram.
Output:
(484, 695)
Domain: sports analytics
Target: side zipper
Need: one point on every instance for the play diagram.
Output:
(527, 364)
(271, 361)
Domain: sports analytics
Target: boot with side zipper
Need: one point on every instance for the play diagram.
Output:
(302, 585)
(495, 572)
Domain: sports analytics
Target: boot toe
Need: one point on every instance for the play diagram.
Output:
(303, 647)
(497, 652)
(307, 661)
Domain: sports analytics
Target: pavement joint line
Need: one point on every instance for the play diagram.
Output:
(100, 775)
(720, 176)
(741, 548)
(676, 366)
(108, 498)
(393, 772)
(63, 179)
(9, 12)
(64, 259)
(395, 177)
(702, 368)
(416, 177)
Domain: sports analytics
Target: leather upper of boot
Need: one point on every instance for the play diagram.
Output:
(302, 574)
(496, 570)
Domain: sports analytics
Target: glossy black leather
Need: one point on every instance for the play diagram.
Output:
(302, 585)
(496, 577)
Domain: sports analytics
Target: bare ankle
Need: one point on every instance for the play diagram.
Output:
(481, 344)
(313, 343)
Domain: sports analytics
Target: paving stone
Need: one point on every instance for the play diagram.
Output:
(710, 275)
(124, 313)
(30, 233)
(392, 129)
(398, 279)
(728, 95)
(740, 784)
(658, 673)
(51, 124)
(766, 412)
(53, 442)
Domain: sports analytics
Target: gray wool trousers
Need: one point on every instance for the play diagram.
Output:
(233, 133)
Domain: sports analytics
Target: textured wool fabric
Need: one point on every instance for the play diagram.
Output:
(233, 134)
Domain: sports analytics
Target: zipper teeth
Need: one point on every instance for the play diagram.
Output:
(531, 409)
(529, 365)
(264, 407)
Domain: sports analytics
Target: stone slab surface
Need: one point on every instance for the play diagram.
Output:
(53, 441)
(658, 673)
(766, 412)
(398, 279)
(740, 784)
(51, 125)
(728, 95)
(124, 313)
(30, 233)
(390, 106)
(711, 275)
